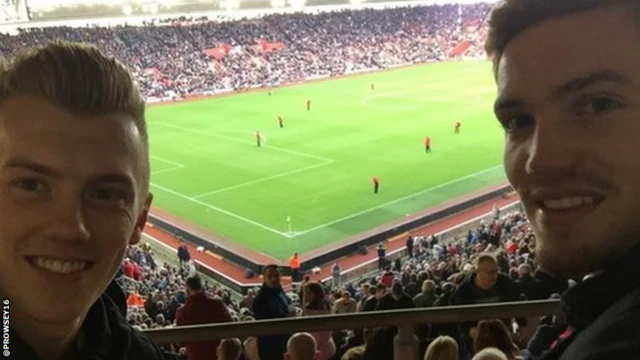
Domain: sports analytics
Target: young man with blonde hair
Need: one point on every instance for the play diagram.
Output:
(74, 193)
(568, 80)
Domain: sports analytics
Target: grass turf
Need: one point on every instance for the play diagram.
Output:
(207, 169)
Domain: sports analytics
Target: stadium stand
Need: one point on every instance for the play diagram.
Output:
(156, 291)
(193, 58)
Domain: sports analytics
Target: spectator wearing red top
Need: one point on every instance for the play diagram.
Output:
(200, 309)
(387, 278)
(128, 268)
(138, 273)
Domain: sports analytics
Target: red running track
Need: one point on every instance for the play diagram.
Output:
(235, 272)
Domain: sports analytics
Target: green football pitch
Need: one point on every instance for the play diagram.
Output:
(310, 184)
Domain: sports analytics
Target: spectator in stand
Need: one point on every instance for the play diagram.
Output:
(369, 302)
(316, 304)
(229, 349)
(372, 303)
(442, 348)
(183, 253)
(301, 346)
(494, 334)
(247, 301)
(335, 275)
(428, 295)
(397, 299)
(128, 268)
(409, 245)
(382, 255)
(201, 309)
(603, 237)
(271, 303)
(387, 277)
(490, 354)
(345, 304)
(487, 285)
(529, 286)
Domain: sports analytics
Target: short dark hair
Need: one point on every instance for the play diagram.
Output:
(486, 257)
(269, 267)
(194, 283)
(512, 17)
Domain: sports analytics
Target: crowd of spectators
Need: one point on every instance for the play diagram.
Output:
(168, 60)
(492, 263)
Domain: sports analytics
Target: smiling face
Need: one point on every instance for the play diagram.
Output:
(71, 200)
(569, 98)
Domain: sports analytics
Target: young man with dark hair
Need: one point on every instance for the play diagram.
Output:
(271, 303)
(201, 309)
(569, 100)
(74, 193)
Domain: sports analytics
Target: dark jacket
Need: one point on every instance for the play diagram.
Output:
(271, 304)
(468, 293)
(605, 313)
(531, 288)
(504, 290)
(387, 302)
(370, 304)
(200, 309)
(107, 335)
(424, 300)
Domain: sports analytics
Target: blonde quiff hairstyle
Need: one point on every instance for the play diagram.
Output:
(79, 78)
(511, 17)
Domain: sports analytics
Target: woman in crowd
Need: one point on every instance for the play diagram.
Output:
(315, 303)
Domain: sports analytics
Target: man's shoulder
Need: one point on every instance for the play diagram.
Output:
(612, 335)
(135, 345)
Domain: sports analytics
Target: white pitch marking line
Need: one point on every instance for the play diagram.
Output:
(167, 170)
(295, 171)
(196, 131)
(249, 221)
(396, 200)
(167, 161)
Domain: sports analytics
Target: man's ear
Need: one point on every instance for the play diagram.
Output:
(141, 221)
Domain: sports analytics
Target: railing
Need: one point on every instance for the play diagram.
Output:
(405, 343)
